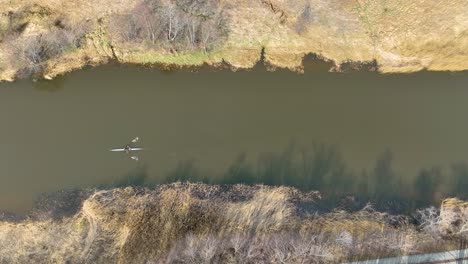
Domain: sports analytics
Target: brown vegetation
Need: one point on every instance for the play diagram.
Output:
(198, 223)
(35, 50)
(28, 47)
(176, 25)
(399, 36)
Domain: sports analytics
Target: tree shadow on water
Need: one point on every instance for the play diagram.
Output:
(136, 177)
(321, 167)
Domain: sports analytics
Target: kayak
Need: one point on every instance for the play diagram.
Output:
(124, 149)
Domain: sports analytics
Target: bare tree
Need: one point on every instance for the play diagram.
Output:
(304, 19)
(192, 31)
(182, 24)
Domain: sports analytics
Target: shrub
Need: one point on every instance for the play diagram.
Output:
(182, 24)
(31, 52)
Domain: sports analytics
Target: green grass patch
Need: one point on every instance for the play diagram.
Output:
(194, 58)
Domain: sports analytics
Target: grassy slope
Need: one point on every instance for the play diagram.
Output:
(401, 36)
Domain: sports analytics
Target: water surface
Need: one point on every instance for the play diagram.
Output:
(209, 125)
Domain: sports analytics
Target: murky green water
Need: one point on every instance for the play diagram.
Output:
(377, 135)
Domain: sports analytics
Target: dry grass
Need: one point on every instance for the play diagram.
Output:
(401, 36)
(198, 223)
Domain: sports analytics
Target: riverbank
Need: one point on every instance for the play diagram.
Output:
(178, 222)
(49, 38)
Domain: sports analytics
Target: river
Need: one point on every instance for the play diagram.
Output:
(345, 133)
